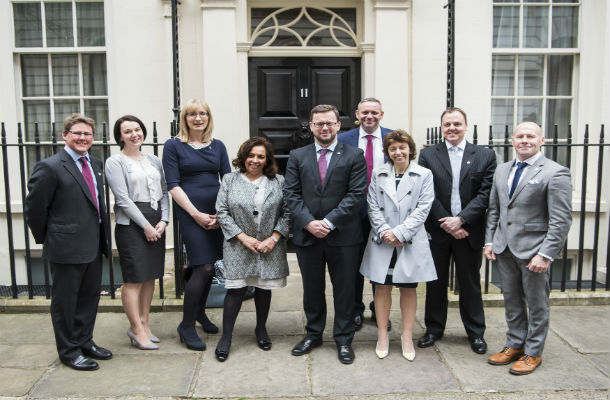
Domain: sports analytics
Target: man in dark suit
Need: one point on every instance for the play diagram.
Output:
(369, 138)
(325, 188)
(530, 213)
(463, 174)
(65, 212)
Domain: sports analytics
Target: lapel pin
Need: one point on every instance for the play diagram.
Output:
(467, 162)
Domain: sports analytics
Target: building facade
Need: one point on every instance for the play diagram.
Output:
(262, 64)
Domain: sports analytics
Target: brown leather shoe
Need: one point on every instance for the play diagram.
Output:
(525, 365)
(506, 356)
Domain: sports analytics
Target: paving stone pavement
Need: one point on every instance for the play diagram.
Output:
(576, 360)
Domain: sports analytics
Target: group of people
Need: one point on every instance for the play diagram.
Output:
(356, 203)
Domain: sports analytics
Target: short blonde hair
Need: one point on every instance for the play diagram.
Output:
(190, 106)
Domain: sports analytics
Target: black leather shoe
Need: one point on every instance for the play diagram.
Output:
(345, 353)
(358, 322)
(306, 345)
(428, 340)
(478, 345)
(221, 355)
(97, 352)
(82, 363)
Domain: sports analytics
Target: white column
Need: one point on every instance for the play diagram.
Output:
(221, 75)
(392, 61)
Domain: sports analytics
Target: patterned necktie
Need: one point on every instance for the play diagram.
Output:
(322, 165)
(520, 167)
(89, 179)
(456, 167)
(368, 156)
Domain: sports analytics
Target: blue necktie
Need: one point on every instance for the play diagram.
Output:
(520, 167)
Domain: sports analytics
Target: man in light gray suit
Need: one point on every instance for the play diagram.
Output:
(530, 214)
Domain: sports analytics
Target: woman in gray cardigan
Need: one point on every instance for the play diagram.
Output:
(255, 222)
(141, 209)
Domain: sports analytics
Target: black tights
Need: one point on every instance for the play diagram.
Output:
(232, 305)
(198, 280)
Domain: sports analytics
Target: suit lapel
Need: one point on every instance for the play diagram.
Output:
(467, 161)
(386, 182)
(527, 176)
(71, 167)
(443, 157)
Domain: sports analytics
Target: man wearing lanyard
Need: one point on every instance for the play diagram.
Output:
(65, 211)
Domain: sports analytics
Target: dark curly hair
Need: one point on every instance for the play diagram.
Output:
(402, 137)
(270, 168)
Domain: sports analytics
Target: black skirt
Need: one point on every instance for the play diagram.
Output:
(141, 260)
(388, 278)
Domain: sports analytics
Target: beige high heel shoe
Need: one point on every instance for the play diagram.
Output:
(410, 356)
(382, 353)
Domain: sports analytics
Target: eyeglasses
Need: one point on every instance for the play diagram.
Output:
(200, 114)
(321, 124)
(80, 133)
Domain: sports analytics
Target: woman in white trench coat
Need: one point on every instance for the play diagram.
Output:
(398, 254)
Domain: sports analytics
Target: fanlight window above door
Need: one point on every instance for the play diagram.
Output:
(303, 27)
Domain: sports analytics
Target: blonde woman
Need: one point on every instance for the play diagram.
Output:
(194, 164)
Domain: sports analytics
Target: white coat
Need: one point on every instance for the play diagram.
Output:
(404, 210)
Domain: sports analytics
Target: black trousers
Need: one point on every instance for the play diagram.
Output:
(467, 270)
(342, 268)
(75, 296)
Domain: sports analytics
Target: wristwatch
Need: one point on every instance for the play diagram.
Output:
(274, 239)
(545, 258)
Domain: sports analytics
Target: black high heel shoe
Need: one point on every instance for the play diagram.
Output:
(207, 325)
(193, 343)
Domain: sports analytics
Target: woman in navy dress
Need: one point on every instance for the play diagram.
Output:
(194, 163)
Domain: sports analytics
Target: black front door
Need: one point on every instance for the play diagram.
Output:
(284, 90)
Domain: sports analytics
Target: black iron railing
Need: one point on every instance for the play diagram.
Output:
(28, 153)
(561, 150)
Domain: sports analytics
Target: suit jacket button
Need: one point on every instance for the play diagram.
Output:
(380, 208)
(508, 223)
(409, 193)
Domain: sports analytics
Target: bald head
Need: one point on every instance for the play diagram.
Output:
(527, 140)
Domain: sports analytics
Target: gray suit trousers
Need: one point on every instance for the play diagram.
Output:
(524, 289)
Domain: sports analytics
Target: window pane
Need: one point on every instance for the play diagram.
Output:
(28, 25)
(503, 76)
(37, 111)
(58, 19)
(559, 77)
(94, 74)
(65, 74)
(63, 108)
(530, 75)
(535, 27)
(506, 27)
(502, 111)
(558, 112)
(529, 110)
(98, 110)
(90, 22)
(565, 27)
(35, 75)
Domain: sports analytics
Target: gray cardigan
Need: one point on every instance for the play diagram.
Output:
(117, 177)
(234, 206)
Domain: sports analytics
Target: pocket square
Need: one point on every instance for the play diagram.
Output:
(533, 182)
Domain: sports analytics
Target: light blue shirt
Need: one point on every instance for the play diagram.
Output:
(456, 153)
